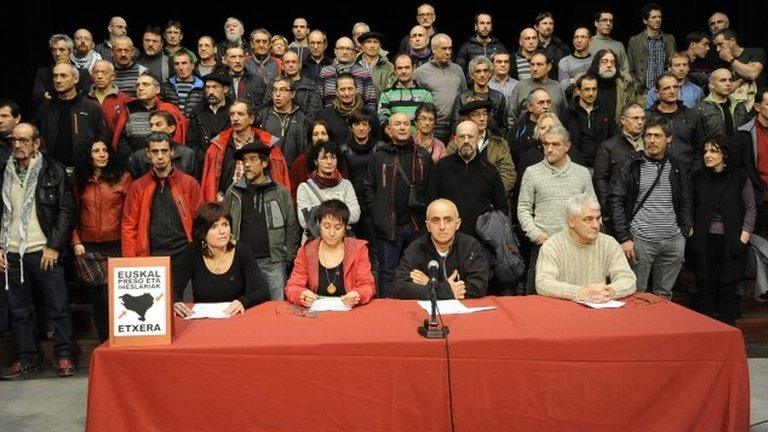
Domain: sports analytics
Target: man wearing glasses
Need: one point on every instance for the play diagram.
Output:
(285, 119)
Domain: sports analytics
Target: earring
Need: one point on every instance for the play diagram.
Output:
(204, 246)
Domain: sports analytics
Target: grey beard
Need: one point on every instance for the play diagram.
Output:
(607, 73)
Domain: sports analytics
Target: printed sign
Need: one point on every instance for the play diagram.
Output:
(140, 301)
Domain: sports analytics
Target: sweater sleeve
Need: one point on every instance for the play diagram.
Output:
(256, 290)
(525, 207)
(547, 273)
(623, 279)
(350, 199)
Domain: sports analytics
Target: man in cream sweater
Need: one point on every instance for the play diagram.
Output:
(581, 263)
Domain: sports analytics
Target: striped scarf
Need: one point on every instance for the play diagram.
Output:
(30, 185)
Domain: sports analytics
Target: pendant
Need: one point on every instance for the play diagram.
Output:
(331, 288)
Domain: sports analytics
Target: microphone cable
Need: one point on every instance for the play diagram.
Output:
(448, 367)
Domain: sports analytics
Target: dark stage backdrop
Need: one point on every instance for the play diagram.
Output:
(25, 25)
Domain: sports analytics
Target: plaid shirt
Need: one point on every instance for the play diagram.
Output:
(656, 60)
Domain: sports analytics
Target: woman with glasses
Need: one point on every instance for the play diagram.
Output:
(331, 265)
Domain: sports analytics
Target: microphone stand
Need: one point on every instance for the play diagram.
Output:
(432, 329)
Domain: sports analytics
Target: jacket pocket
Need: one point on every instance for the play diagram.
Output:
(275, 217)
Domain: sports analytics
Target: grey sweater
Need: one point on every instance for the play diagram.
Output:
(524, 87)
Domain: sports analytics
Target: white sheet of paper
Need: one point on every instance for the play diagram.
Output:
(452, 307)
(611, 304)
(208, 310)
(326, 304)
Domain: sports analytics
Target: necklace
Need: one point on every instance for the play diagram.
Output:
(331, 288)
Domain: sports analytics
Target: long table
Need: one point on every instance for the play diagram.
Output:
(534, 364)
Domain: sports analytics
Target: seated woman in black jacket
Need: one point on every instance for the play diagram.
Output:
(463, 264)
(220, 271)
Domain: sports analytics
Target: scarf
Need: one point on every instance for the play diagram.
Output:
(86, 62)
(357, 147)
(30, 185)
(344, 110)
(325, 183)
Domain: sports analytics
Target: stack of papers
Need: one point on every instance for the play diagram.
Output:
(452, 307)
(611, 304)
(209, 310)
(329, 304)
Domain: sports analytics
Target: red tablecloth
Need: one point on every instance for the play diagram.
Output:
(534, 364)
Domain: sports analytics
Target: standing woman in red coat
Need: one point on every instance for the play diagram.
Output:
(101, 186)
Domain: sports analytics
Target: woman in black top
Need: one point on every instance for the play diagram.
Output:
(220, 271)
(724, 217)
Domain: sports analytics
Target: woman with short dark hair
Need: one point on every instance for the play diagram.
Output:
(220, 270)
(331, 265)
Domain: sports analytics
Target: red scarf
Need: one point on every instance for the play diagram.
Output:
(326, 182)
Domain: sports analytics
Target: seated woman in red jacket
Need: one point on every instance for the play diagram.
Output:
(331, 265)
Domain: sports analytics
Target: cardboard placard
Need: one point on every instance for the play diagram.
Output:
(140, 301)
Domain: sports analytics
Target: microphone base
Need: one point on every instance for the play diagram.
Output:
(433, 331)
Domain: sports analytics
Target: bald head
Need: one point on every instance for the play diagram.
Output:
(442, 205)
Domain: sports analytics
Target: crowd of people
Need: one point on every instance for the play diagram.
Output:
(269, 170)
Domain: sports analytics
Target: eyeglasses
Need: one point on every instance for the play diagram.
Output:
(303, 312)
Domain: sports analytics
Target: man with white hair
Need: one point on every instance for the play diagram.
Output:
(445, 80)
(581, 263)
(233, 36)
(545, 188)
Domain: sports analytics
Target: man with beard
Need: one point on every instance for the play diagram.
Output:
(117, 27)
(480, 70)
(184, 89)
(105, 93)
(614, 151)
(69, 122)
(588, 123)
(83, 56)
(602, 40)
(127, 71)
(61, 47)
(347, 100)
(263, 217)
(305, 93)
(614, 89)
(501, 81)
(572, 66)
(492, 147)
(545, 189)
(650, 206)
(445, 80)
(397, 169)
(244, 84)
(468, 180)
(649, 50)
(212, 116)
(260, 64)
(285, 119)
(688, 134)
(540, 67)
(690, 94)
(300, 44)
(345, 64)
(721, 113)
(221, 168)
(418, 46)
(153, 58)
(556, 49)
(481, 44)
(317, 60)
(233, 36)
(405, 95)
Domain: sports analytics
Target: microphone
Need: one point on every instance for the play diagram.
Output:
(431, 329)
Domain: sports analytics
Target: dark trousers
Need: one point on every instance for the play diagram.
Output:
(51, 285)
(716, 299)
(99, 294)
(530, 286)
(390, 252)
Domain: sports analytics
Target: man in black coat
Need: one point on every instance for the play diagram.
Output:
(463, 270)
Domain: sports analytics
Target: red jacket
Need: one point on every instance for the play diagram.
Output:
(113, 106)
(214, 161)
(357, 270)
(180, 136)
(138, 207)
(101, 211)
